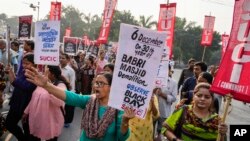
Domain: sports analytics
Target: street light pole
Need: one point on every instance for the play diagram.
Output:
(34, 8)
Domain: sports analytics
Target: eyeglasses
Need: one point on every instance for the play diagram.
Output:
(100, 84)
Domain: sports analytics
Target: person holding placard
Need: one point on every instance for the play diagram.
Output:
(21, 97)
(99, 121)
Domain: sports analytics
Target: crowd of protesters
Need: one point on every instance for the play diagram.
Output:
(84, 81)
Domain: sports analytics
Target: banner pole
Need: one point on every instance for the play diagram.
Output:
(204, 51)
(223, 119)
(8, 43)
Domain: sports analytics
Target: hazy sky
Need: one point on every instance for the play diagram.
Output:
(192, 10)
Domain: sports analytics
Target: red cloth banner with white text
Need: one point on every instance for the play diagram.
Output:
(233, 74)
(55, 11)
(67, 32)
(107, 20)
(224, 42)
(208, 29)
(166, 23)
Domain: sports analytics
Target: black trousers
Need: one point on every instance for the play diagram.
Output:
(69, 113)
(12, 126)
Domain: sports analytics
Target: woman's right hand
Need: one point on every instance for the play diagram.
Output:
(35, 77)
(128, 114)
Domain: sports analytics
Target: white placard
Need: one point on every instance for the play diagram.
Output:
(162, 74)
(138, 58)
(47, 42)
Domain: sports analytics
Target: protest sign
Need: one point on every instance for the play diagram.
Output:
(70, 45)
(162, 72)
(138, 58)
(47, 35)
(24, 30)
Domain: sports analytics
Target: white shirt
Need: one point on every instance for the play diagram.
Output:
(170, 91)
(70, 75)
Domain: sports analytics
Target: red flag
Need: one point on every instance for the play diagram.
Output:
(55, 11)
(107, 20)
(67, 32)
(166, 23)
(233, 74)
(224, 42)
(208, 29)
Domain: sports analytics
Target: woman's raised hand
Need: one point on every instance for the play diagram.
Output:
(35, 77)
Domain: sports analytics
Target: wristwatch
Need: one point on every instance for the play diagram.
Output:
(174, 139)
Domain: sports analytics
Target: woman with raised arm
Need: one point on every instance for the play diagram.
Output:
(46, 108)
(99, 121)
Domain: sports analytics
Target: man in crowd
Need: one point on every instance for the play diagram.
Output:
(187, 72)
(190, 82)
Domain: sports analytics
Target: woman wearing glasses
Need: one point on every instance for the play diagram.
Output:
(99, 121)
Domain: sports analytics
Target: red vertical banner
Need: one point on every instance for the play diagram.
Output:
(107, 20)
(224, 42)
(208, 29)
(55, 11)
(67, 32)
(166, 23)
(233, 74)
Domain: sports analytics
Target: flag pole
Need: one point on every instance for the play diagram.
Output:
(203, 55)
(8, 43)
(223, 119)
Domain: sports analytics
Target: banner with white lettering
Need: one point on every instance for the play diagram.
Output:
(233, 74)
(138, 58)
(47, 42)
(166, 23)
(24, 27)
(208, 30)
(55, 11)
(70, 45)
(224, 42)
(107, 20)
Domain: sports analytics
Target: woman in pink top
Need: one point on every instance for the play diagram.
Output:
(45, 112)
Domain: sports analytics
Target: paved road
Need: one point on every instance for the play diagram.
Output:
(239, 115)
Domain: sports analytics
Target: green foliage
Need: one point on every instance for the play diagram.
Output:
(187, 40)
(187, 35)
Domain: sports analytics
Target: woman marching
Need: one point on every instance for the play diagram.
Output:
(21, 97)
(46, 108)
(195, 122)
(99, 121)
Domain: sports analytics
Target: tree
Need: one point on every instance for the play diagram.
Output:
(72, 17)
(118, 18)
(146, 22)
(187, 40)
(93, 24)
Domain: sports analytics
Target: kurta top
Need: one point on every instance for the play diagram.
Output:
(81, 101)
